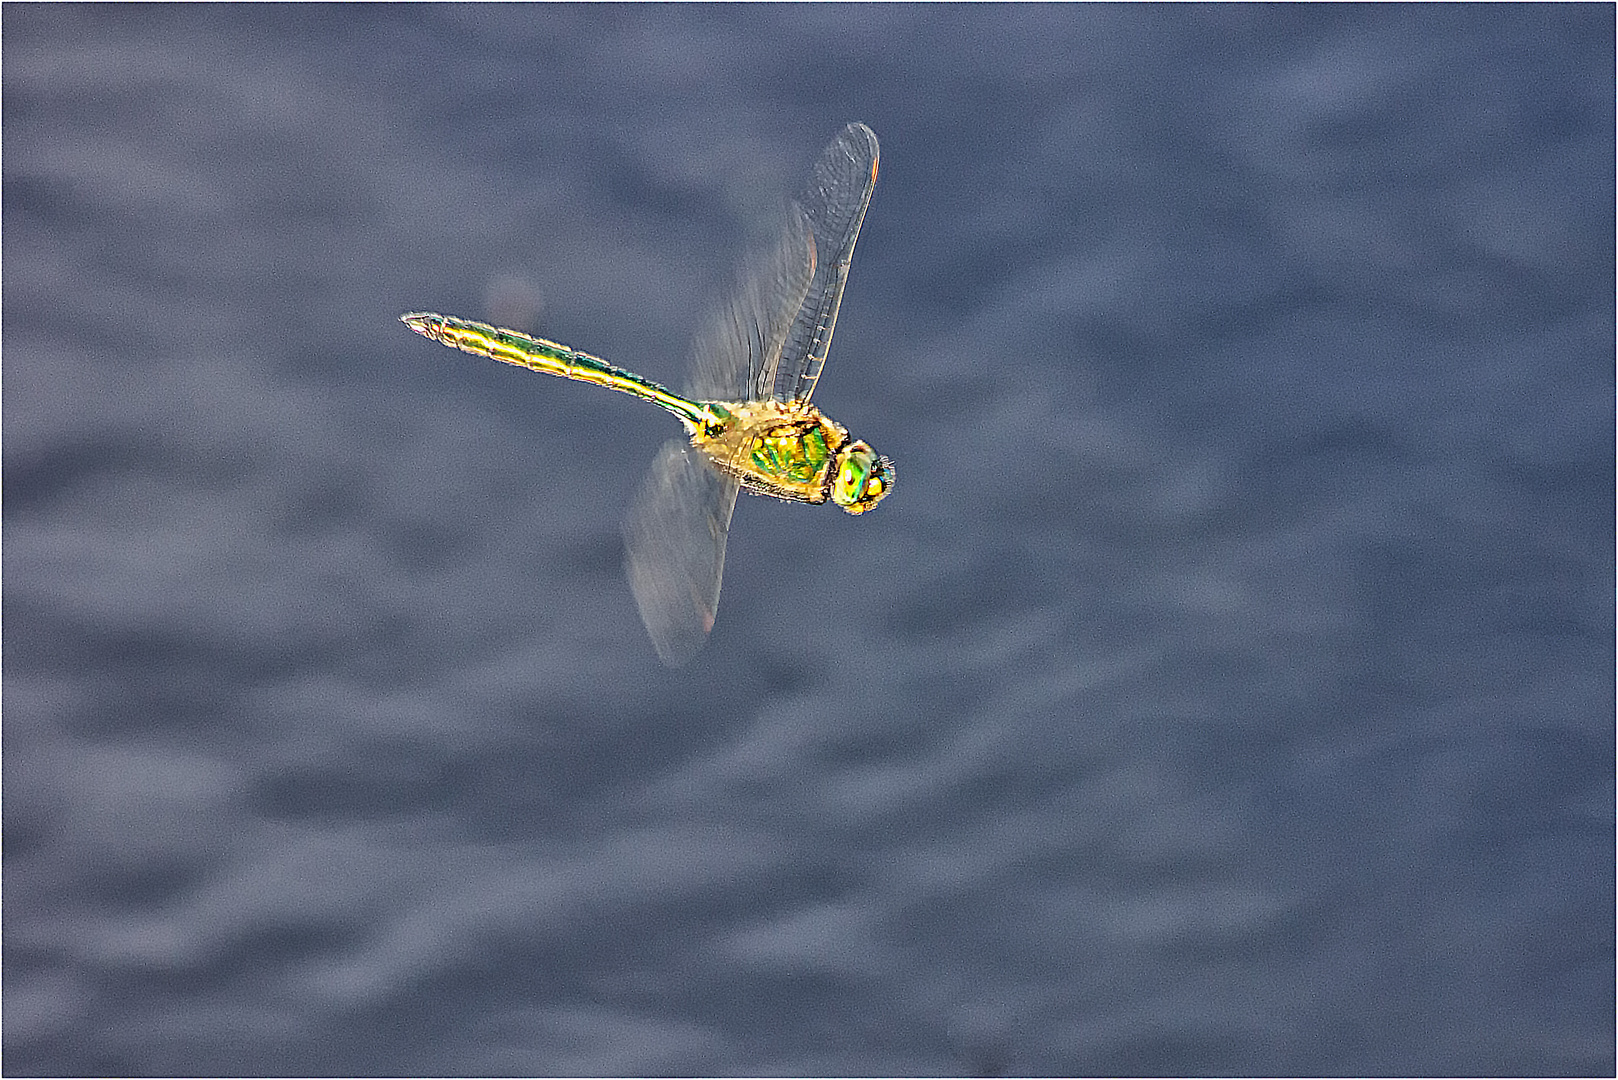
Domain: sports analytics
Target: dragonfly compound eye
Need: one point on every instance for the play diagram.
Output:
(863, 478)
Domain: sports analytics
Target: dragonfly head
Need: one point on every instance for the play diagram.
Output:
(863, 478)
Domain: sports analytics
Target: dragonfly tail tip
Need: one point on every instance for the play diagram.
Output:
(419, 321)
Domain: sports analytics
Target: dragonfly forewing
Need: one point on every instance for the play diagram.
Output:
(737, 349)
(833, 207)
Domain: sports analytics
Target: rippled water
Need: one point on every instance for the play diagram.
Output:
(1227, 686)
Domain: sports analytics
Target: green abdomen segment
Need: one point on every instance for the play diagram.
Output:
(537, 354)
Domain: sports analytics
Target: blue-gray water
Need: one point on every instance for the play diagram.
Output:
(1227, 685)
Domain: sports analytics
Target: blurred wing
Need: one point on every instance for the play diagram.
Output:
(735, 353)
(833, 206)
(674, 541)
(769, 339)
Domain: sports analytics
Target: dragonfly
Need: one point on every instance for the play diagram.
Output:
(745, 404)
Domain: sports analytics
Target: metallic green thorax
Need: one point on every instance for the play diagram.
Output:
(798, 453)
(785, 449)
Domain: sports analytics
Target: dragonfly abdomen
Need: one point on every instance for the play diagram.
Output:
(538, 354)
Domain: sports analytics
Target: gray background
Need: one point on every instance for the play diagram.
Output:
(1226, 687)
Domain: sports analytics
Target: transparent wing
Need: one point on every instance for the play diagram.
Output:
(769, 339)
(674, 549)
(736, 351)
(833, 207)
(675, 531)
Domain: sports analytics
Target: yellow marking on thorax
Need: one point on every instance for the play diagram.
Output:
(776, 448)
